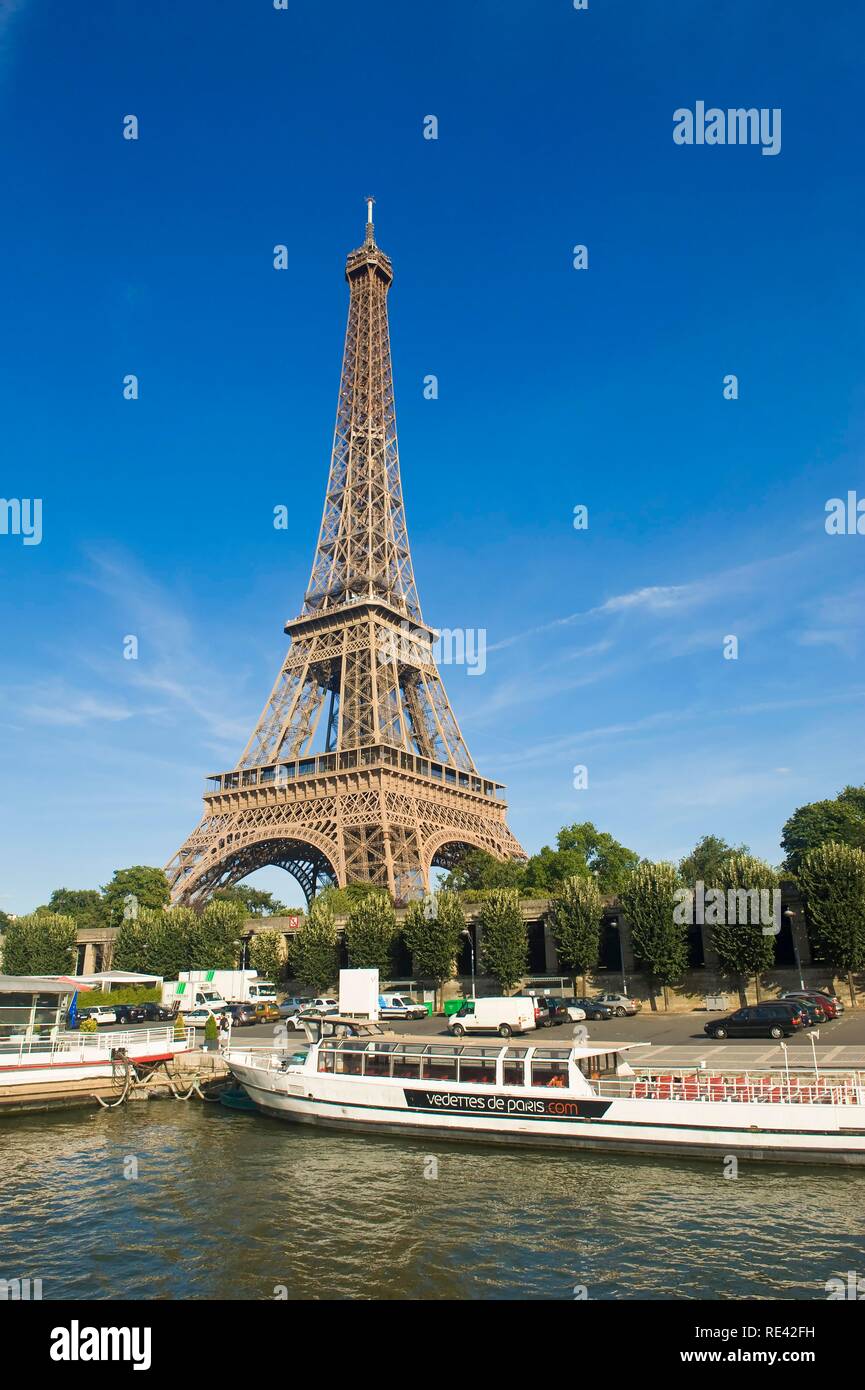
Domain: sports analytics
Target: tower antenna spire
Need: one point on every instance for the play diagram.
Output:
(370, 230)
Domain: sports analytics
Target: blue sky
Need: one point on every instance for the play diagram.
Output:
(557, 387)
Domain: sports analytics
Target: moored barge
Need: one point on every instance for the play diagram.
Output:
(44, 1066)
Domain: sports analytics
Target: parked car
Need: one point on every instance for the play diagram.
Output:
(592, 1009)
(574, 1008)
(620, 1004)
(325, 1004)
(293, 1005)
(833, 999)
(769, 1020)
(400, 1006)
(197, 1018)
(561, 1010)
(100, 1014)
(814, 1013)
(242, 1015)
(128, 1013)
(154, 1013)
(263, 1011)
(826, 1002)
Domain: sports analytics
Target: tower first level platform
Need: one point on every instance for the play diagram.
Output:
(373, 814)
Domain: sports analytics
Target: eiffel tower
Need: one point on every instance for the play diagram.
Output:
(357, 769)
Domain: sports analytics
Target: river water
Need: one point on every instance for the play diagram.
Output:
(193, 1201)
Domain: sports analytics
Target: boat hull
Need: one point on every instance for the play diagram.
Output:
(762, 1132)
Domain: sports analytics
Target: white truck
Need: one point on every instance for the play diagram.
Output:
(237, 986)
(190, 997)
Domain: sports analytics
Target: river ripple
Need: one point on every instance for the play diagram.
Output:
(238, 1206)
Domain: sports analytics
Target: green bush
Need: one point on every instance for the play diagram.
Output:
(136, 994)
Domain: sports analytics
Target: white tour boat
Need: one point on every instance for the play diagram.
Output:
(580, 1097)
(43, 1065)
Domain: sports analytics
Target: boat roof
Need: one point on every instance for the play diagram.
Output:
(120, 977)
(440, 1042)
(38, 984)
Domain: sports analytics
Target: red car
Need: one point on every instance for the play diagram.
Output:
(827, 1002)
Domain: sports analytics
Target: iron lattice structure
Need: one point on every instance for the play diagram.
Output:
(357, 769)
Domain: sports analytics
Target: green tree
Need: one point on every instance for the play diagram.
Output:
(215, 937)
(146, 886)
(342, 900)
(477, 871)
(832, 878)
(576, 912)
(504, 940)
(370, 933)
(313, 953)
(581, 849)
(703, 864)
(433, 937)
(841, 821)
(84, 905)
(40, 943)
(659, 941)
(254, 901)
(744, 948)
(267, 955)
(168, 939)
(131, 946)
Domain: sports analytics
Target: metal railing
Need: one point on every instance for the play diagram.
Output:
(766, 1088)
(263, 1056)
(82, 1046)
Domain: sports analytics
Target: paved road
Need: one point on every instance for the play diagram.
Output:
(679, 1040)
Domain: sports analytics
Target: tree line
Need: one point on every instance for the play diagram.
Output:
(825, 856)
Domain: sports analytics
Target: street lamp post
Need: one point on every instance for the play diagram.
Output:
(467, 932)
(615, 923)
(789, 918)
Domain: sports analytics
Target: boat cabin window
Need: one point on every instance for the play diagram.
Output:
(478, 1068)
(440, 1062)
(407, 1061)
(29, 1014)
(550, 1066)
(348, 1057)
(514, 1066)
(377, 1058)
(603, 1064)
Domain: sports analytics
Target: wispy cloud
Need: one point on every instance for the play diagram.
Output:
(56, 703)
(666, 599)
(656, 598)
(171, 679)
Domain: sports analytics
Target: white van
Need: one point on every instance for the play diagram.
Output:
(497, 1015)
(400, 1006)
